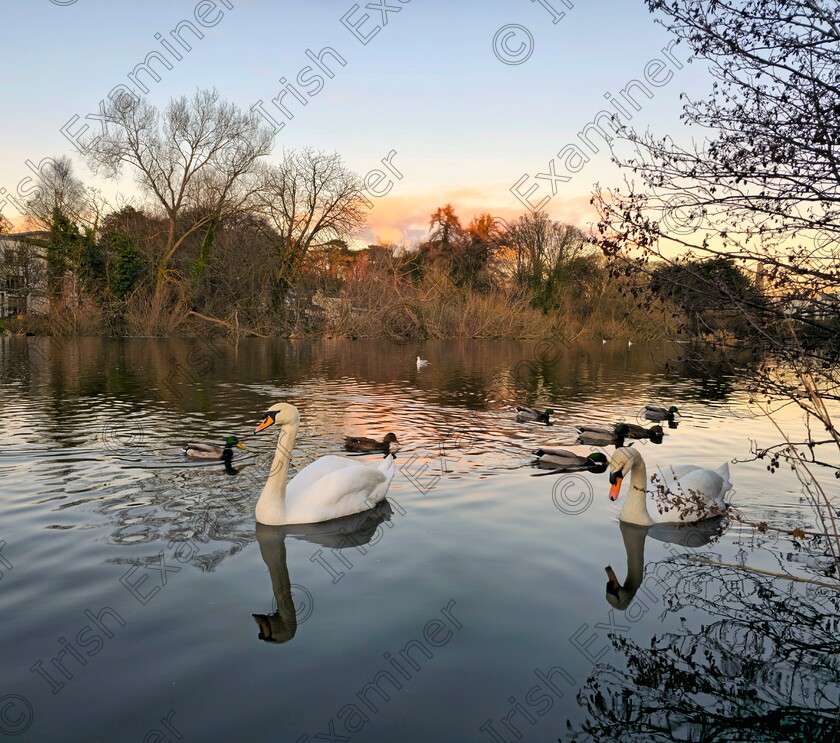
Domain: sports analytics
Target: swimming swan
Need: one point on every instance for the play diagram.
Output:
(328, 488)
(686, 493)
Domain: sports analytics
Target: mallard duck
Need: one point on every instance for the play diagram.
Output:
(598, 429)
(328, 488)
(592, 436)
(533, 414)
(657, 413)
(635, 431)
(362, 443)
(213, 451)
(563, 459)
(685, 493)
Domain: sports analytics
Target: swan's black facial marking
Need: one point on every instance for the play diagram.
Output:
(616, 477)
(267, 420)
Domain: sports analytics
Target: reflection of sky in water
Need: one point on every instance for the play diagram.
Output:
(94, 485)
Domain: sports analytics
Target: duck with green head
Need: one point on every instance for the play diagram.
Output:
(603, 436)
(564, 460)
(657, 413)
(213, 451)
(533, 414)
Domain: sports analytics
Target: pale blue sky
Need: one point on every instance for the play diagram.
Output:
(465, 126)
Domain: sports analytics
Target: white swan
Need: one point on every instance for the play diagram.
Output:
(685, 492)
(328, 488)
(422, 362)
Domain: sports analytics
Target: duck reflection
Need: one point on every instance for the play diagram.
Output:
(293, 602)
(620, 595)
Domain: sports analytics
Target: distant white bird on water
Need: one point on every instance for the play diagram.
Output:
(629, 343)
(422, 362)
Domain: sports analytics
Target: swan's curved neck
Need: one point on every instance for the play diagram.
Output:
(634, 546)
(635, 507)
(273, 551)
(271, 506)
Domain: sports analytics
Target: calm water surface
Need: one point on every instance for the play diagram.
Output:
(472, 607)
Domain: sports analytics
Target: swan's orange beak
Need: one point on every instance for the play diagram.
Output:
(611, 577)
(616, 487)
(264, 423)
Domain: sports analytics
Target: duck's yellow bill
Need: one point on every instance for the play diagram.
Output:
(239, 445)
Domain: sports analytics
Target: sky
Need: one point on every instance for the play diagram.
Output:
(481, 101)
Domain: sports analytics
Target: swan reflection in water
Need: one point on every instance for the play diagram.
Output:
(690, 536)
(293, 602)
(753, 659)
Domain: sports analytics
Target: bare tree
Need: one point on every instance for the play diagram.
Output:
(761, 189)
(194, 158)
(310, 198)
(58, 191)
(545, 250)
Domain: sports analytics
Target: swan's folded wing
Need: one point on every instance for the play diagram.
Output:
(318, 469)
(704, 486)
(676, 471)
(340, 492)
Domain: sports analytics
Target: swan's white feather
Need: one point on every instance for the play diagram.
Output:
(316, 470)
(328, 488)
(682, 493)
(338, 491)
(692, 495)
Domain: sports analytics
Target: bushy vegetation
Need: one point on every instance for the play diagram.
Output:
(224, 241)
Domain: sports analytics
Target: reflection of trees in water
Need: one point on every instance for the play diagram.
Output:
(765, 666)
(206, 512)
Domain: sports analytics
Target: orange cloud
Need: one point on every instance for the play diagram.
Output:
(23, 223)
(404, 218)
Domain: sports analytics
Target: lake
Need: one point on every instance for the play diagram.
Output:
(473, 606)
